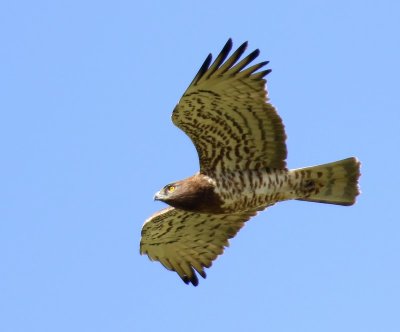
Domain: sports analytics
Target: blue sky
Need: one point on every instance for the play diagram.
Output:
(86, 93)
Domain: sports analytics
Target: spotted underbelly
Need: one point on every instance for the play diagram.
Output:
(246, 190)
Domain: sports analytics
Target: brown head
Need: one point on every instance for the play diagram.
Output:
(194, 194)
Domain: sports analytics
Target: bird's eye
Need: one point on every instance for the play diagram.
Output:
(171, 188)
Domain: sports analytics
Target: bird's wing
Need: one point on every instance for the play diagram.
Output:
(186, 241)
(226, 113)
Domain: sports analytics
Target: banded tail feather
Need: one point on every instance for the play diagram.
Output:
(332, 183)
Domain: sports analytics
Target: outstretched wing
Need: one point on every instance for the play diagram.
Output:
(226, 114)
(185, 241)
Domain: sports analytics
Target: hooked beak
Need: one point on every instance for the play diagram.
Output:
(158, 196)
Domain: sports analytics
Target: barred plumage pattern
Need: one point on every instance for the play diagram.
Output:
(186, 242)
(225, 113)
(240, 140)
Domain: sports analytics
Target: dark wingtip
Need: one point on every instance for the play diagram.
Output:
(265, 72)
(185, 279)
(228, 44)
(227, 48)
(203, 69)
(194, 280)
(206, 64)
(242, 47)
(255, 53)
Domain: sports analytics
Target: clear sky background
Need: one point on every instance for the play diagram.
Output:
(86, 93)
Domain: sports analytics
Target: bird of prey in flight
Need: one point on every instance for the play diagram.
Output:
(240, 141)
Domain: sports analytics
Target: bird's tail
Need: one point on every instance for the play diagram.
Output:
(333, 183)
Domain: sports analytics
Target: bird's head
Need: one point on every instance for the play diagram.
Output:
(195, 193)
(169, 193)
